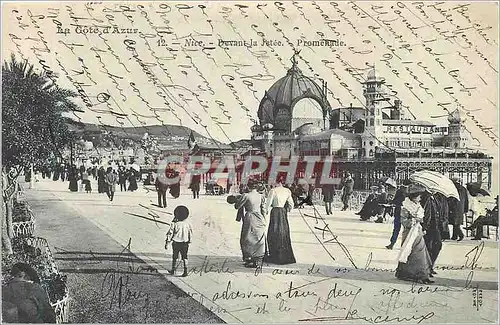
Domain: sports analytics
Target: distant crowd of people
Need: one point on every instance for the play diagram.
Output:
(80, 178)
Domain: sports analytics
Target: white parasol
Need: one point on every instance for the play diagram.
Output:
(435, 182)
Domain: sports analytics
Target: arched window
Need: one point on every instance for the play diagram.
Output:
(371, 152)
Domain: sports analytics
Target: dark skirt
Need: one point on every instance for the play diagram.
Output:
(73, 185)
(101, 185)
(132, 184)
(419, 264)
(278, 238)
(328, 196)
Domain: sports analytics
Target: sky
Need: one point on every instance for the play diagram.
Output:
(148, 63)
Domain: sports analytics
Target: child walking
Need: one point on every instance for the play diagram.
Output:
(179, 234)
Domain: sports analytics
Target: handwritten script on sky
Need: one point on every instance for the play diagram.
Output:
(136, 64)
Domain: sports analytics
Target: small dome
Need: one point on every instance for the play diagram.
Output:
(456, 117)
(256, 128)
(267, 126)
(372, 74)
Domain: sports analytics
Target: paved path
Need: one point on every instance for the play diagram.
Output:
(107, 283)
(345, 274)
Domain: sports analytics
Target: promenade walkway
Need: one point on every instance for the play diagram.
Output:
(343, 273)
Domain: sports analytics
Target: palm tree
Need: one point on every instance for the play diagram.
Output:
(33, 127)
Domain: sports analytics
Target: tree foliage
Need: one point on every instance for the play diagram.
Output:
(33, 127)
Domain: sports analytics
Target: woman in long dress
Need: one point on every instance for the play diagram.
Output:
(279, 202)
(414, 260)
(101, 184)
(73, 179)
(253, 230)
(132, 180)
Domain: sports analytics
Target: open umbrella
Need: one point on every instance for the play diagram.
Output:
(435, 182)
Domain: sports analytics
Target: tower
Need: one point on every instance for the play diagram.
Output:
(457, 135)
(373, 134)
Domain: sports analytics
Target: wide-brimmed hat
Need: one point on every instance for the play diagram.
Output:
(415, 188)
(181, 213)
(391, 182)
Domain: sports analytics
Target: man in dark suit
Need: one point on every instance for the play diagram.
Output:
(195, 185)
(458, 209)
(397, 201)
(161, 190)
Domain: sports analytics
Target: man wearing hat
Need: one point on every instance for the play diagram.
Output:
(490, 219)
(458, 209)
(431, 225)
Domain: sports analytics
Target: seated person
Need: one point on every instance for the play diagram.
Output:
(368, 205)
(491, 219)
(386, 197)
(27, 296)
(372, 206)
(306, 197)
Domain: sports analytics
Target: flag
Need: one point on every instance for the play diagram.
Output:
(191, 141)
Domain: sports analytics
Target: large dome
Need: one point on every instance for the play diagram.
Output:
(279, 100)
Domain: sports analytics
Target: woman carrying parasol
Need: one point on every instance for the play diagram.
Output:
(414, 260)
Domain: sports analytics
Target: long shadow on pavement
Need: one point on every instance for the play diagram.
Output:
(204, 264)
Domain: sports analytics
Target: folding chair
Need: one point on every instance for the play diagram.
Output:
(469, 219)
